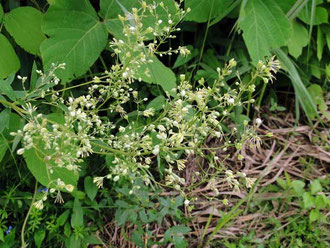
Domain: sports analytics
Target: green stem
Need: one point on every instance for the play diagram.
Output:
(261, 94)
(27, 216)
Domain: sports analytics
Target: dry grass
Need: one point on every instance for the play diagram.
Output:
(301, 151)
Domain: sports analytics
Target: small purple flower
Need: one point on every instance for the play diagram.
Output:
(9, 229)
(45, 189)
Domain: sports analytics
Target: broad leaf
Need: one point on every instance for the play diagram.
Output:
(110, 9)
(320, 14)
(203, 10)
(299, 39)
(35, 160)
(24, 25)
(90, 187)
(77, 37)
(77, 217)
(265, 27)
(159, 74)
(320, 43)
(4, 119)
(6, 89)
(158, 103)
(9, 62)
(1, 13)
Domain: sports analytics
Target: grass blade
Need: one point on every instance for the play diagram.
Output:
(302, 94)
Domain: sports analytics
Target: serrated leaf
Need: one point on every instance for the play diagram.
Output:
(77, 37)
(299, 39)
(24, 25)
(38, 167)
(265, 27)
(203, 10)
(90, 187)
(9, 62)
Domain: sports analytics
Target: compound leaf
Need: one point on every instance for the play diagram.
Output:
(9, 61)
(265, 27)
(24, 25)
(77, 37)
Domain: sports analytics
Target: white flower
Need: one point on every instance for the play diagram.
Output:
(155, 151)
(20, 151)
(258, 121)
(69, 187)
(186, 202)
(98, 181)
(39, 205)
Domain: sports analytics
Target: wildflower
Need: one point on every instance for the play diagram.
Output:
(69, 187)
(149, 112)
(20, 151)
(98, 181)
(186, 202)
(258, 122)
(9, 229)
(39, 204)
(155, 151)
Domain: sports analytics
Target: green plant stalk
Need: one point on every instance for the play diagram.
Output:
(224, 220)
(262, 94)
(27, 216)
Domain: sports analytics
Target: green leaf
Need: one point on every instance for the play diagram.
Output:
(302, 94)
(9, 62)
(6, 89)
(24, 25)
(286, 5)
(158, 103)
(77, 37)
(4, 119)
(320, 15)
(298, 187)
(299, 39)
(265, 27)
(158, 74)
(1, 13)
(3, 146)
(320, 43)
(308, 200)
(316, 94)
(182, 60)
(90, 188)
(316, 186)
(63, 217)
(110, 9)
(314, 215)
(39, 237)
(203, 10)
(38, 167)
(77, 217)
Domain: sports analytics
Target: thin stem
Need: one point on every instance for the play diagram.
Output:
(27, 216)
